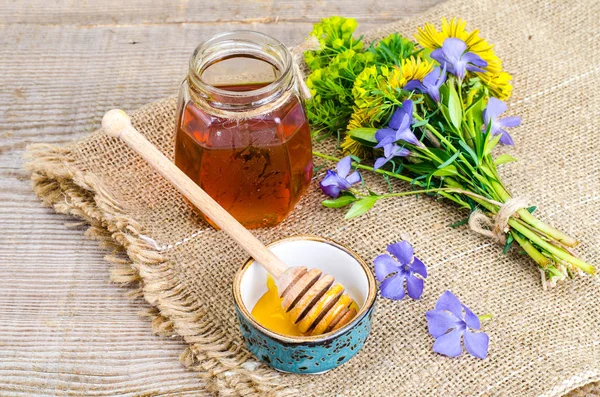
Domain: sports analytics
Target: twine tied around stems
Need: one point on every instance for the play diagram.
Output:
(497, 226)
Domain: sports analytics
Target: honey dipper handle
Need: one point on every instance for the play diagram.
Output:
(116, 123)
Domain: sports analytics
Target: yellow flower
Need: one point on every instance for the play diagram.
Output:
(415, 69)
(350, 146)
(498, 84)
(497, 81)
(390, 79)
(429, 37)
(362, 117)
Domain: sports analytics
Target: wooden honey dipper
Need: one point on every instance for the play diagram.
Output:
(314, 301)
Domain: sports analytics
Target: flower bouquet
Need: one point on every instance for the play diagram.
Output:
(429, 113)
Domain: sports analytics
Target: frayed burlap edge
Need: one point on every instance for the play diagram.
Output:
(223, 366)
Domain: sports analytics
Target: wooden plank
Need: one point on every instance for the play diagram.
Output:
(65, 330)
(111, 12)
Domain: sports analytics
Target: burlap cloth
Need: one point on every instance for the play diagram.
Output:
(542, 343)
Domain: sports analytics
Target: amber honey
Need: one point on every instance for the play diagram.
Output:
(256, 168)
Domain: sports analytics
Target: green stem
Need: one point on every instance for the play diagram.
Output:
(393, 175)
(446, 142)
(536, 255)
(442, 189)
(490, 205)
(463, 131)
(555, 251)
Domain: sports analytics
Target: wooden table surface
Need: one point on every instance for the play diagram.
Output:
(64, 329)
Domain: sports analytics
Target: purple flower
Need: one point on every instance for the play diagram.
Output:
(339, 181)
(452, 320)
(399, 127)
(452, 55)
(404, 267)
(431, 83)
(495, 108)
(390, 151)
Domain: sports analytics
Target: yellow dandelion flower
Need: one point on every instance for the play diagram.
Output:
(498, 84)
(391, 78)
(497, 81)
(415, 68)
(355, 148)
(362, 117)
(429, 37)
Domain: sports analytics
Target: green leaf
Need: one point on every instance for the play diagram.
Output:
(449, 161)
(491, 144)
(364, 134)
(441, 153)
(509, 242)
(532, 208)
(339, 202)
(449, 170)
(361, 206)
(482, 140)
(420, 123)
(475, 109)
(468, 149)
(355, 159)
(488, 172)
(420, 168)
(459, 223)
(454, 108)
(504, 158)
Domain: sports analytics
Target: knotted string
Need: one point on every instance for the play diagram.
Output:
(497, 226)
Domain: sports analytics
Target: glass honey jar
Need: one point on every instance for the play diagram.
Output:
(242, 133)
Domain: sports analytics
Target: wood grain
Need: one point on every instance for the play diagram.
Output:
(110, 12)
(64, 329)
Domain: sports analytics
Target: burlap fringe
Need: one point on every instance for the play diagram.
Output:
(222, 364)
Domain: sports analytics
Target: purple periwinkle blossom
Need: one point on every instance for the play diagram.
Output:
(340, 180)
(452, 55)
(392, 273)
(452, 321)
(495, 108)
(399, 128)
(390, 151)
(431, 83)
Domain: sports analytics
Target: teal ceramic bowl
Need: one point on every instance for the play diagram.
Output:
(307, 354)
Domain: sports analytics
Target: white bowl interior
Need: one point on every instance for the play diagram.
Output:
(331, 259)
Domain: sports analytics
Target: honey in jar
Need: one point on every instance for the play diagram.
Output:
(242, 133)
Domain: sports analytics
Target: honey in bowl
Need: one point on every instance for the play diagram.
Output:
(269, 313)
